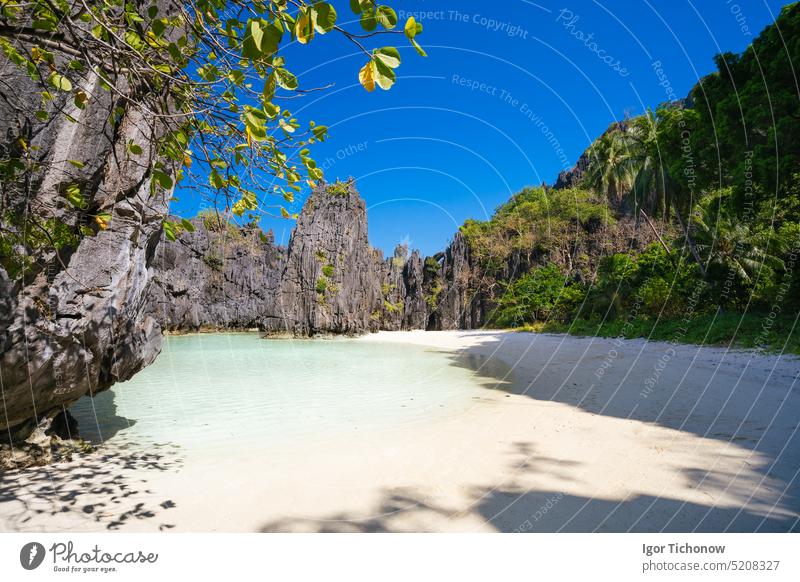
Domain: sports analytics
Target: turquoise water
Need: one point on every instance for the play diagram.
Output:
(237, 392)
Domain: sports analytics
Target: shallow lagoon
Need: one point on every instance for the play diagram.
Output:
(238, 393)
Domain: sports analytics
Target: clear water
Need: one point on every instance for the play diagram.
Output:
(218, 393)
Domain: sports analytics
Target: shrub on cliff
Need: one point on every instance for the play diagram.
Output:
(537, 224)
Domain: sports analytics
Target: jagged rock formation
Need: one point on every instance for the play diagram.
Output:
(331, 283)
(72, 321)
(573, 177)
(218, 276)
(329, 279)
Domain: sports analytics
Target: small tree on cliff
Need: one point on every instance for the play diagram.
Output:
(208, 77)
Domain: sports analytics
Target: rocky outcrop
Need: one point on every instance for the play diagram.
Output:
(332, 280)
(329, 280)
(73, 319)
(218, 276)
(573, 177)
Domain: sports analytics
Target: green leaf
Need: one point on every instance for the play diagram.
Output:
(247, 202)
(418, 48)
(368, 20)
(270, 84)
(412, 28)
(236, 77)
(254, 120)
(158, 27)
(386, 17)
(271, 110)
(216, 180)
(286, 79)
(324, 17)
(169, 231)
(134, 40)
(162, 179)
(320, 132)
(59, 82)
(256, 34)
(44, 24)
(74, 196)
(187, 225)
(261, 39)
(389, 55)
(384, 76)
(76, 163)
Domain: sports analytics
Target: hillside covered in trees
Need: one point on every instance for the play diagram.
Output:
(716, 179)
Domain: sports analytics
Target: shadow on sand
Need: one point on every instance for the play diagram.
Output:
(512, 509)
(106, 488)
(749, 403)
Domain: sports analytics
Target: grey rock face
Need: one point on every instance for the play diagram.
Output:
(327, 281)
(452, 303)
(218, 276)
(416, 310)
(330, 283)
(573, 177)
(73, 322)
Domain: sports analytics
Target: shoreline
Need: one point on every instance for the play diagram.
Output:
(552, 445)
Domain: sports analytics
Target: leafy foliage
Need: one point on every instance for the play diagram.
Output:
(534, 223)
(538, 295)
(209, 76)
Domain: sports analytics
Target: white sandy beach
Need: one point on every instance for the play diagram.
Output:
(582, 434)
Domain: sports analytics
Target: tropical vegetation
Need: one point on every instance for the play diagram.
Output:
(716, 178)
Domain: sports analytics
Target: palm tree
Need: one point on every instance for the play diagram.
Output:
(609, 171)
(729, 244)
(651, 189)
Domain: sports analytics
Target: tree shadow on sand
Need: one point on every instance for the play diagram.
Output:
(512, 508)
(105, 488)
(727, 395)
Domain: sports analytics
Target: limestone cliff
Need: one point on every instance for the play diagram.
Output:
(72, 295)
(330, 281)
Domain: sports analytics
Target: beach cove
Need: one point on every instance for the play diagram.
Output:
(511, 432)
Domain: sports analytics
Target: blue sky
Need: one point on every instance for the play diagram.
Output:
(511, 93)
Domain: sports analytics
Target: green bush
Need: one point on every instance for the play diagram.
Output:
(337, 189)
(536, 296)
